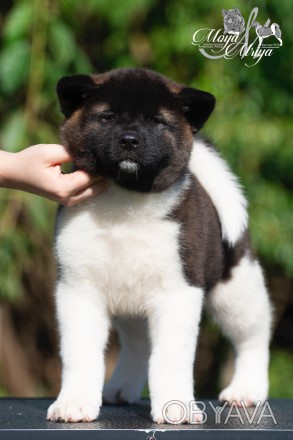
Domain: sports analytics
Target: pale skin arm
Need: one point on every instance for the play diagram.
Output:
(37, 170)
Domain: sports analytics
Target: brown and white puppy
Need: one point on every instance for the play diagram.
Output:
(170, 229)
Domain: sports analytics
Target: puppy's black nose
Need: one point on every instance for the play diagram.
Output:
(129, 141)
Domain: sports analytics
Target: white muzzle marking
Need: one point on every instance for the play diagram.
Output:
(128, 166)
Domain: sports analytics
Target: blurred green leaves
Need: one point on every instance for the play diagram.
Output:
(61, 42)
(14, 64)
(62, 46)
(15, 54)
(13, 132)
(18, 22)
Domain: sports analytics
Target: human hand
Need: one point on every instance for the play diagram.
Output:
(37, 169)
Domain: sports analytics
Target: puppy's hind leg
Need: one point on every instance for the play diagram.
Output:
(241, 306)
(129, 377)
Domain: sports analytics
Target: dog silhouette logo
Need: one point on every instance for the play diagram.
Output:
(239, 37)
(267, 31)
(233, 21)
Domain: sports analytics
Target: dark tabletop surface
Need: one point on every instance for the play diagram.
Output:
(26, 419)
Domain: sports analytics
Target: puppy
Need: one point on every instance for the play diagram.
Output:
(168, 232)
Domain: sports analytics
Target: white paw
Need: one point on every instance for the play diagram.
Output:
(248, 394)
(72, 410)
(176, 412)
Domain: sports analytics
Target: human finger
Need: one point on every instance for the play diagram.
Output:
(86, 193)
(77, 181)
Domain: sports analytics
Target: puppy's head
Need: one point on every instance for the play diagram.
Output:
(131, 125)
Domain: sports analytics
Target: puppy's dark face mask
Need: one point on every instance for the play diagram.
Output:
(133, 126)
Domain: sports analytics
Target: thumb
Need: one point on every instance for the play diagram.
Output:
(57, 154)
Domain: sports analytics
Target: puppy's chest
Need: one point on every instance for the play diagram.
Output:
(130, 247)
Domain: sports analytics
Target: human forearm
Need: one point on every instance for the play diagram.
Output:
(6, 168)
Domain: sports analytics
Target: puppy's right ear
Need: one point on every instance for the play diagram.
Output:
(72, 92)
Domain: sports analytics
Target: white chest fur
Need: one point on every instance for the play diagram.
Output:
(124, 244)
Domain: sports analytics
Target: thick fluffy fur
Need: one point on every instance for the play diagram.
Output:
(170, 228)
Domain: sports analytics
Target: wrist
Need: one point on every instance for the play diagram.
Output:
(7, 168)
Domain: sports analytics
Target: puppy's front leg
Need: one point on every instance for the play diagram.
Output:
(83, 325)
(174, 321)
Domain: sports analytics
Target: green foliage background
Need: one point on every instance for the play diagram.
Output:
(42, 40)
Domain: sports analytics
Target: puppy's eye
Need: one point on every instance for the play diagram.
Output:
(158, 119)
(107, 116)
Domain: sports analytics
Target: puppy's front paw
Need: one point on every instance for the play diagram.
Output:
(72, 410)
(245, 393)
(176, 412)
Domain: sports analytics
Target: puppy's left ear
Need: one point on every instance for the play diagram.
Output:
(196, 105)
